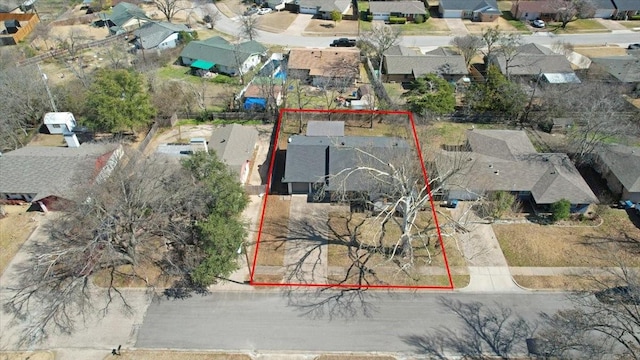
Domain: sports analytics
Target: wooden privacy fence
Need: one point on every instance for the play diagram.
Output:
(25, 28)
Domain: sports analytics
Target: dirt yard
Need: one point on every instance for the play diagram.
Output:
(176, 355)
(560, 246)
(27, 355)
(276, 22)
(15, 229)
(328, 27)
(274, 232)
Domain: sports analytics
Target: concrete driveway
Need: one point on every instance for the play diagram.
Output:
(457, 27)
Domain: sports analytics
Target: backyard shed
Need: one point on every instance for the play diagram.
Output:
(59, 122)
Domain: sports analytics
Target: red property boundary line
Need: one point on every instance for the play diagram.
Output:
(349, 286)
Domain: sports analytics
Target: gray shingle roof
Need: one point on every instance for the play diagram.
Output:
(487, 6)
(153, 33)
(401, 50)
(624, 163)
(524, 63)
(625, 68)
(219, 51)
(312, 159)
(234, 144)
(424, 64)
(124, 12)
(326, 5)
(603, 4)
(49, 171)
(502, 160)
(404, 7)
(627, 5)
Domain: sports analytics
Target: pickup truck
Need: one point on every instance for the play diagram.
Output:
(343, 42)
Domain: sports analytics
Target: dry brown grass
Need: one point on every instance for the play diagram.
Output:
(15, 229)
(274, 232)
(276, 22)
(428, 267)
(354, 357)
(595, 51)
(328, 27)
(558, 282)
(268, 278)
(27, 355)
(47, 140)
(177, 355)
(556, 246)
(479, 27)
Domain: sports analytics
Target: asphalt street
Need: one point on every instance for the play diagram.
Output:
(266, 321)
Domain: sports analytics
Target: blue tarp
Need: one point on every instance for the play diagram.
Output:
(255, 104)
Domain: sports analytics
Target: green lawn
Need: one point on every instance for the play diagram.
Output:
(630, 24)
(177, 72)
(504, 5)
(514, 22)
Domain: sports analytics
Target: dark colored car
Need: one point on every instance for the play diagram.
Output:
(634, 46)
(251, 11)
(343, 42)
(626, 295)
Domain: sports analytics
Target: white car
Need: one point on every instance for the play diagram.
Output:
(538, 23)
(264, 11)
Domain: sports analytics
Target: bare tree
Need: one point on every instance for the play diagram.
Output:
(571, 10)
(599, 113)
(161, 216)
(468, 46)
(249, 27)
(380, 39)
(74, 43)
(169, 8)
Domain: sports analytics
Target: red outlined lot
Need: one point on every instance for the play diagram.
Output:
(265, 200)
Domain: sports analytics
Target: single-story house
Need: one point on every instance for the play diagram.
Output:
(476, 10)
(410, 65)
(45, 175)
(383, 10)
(235, 144)
(533, 60)
(218, 55)
(619, 165)
(603, 9)
(324, 8)
(158, 35)
(505, 160)
(532, 10)
(323, 162)
(122, 18)
(623, 69)
(626, 8)
(330, 67)
(59, 122)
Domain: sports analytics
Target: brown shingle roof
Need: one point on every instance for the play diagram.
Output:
(322, 62)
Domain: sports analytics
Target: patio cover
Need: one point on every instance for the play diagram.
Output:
(201, 64)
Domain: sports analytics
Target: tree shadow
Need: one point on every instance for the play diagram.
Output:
(487, 332)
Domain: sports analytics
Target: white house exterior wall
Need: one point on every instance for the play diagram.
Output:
(170, 42)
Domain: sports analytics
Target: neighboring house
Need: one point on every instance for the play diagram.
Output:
(330, 67)
(158, 35)
(382, 10)
(533, 60)
(218, 55)
(619, 165)
(476, 10)
(603, 9)
(532, 10)
(505, 160)
(404, 65)
(235, 144)
(323, 8)
(46, 175)
(319, 159)
(625, 69)
(59, 122)
(626, 9)
(123, 17)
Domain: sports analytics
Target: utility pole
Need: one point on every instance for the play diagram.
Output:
(46, 86)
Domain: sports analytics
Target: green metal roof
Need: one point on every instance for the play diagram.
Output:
(219, 51)
(201, 64)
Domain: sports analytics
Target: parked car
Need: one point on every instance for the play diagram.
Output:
(251, 11)
(343, 42)
(538, 23)
(634, 46)
(264, 11)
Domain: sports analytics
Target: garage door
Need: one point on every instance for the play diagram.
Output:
(380, 16)
(452, 14)
(308, 10)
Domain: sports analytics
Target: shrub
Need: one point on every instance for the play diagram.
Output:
(560, 210)
(224, 79)
(397, 20)
(369, 17)
(419, 19)
(427, 15)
